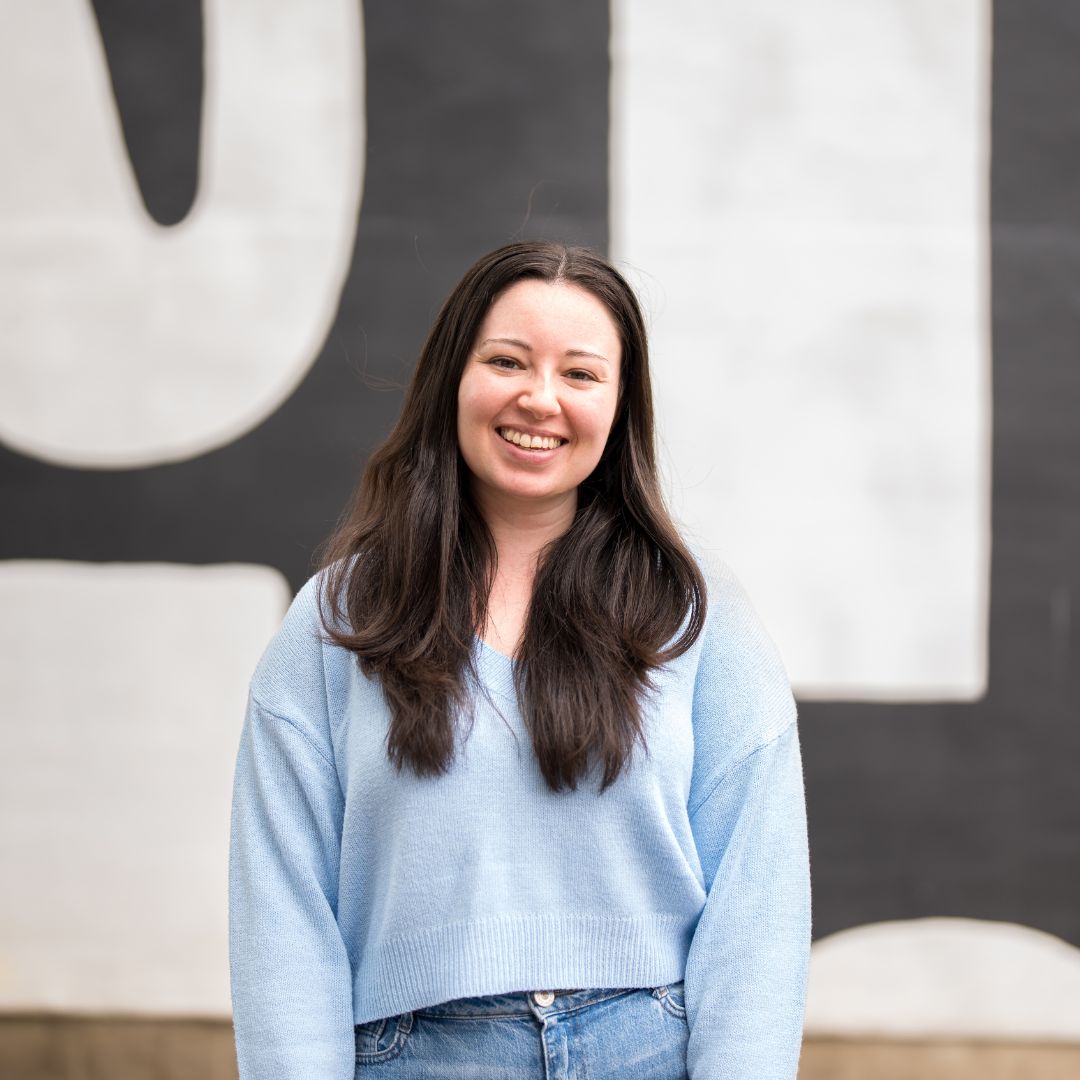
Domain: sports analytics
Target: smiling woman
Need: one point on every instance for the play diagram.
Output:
(502, 744)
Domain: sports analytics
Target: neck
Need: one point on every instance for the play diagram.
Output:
(522, 529)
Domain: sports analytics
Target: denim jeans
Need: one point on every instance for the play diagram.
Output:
(623, 1034)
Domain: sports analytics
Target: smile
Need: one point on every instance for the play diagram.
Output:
(530, 442)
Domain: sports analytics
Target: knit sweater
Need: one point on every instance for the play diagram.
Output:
(359, 892)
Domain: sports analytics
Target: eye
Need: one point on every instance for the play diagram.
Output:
(504, 363)
(581, 375)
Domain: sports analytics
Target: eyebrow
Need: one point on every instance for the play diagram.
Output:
(528, 348)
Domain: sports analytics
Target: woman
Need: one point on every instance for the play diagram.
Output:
(517, 795)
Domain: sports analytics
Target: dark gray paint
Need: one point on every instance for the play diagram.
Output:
(155, 57)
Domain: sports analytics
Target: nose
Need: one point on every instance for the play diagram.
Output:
(539, 396)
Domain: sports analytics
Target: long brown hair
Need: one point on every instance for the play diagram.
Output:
(412, 562)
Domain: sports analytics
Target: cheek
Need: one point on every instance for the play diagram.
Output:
(474, 403)
(466, 410)
(473, 418)
(599, 420)
(462, 408)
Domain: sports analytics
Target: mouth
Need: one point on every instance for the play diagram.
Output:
(526, 441)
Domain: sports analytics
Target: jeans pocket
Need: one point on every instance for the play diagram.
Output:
(671, 997)
(382, 1040)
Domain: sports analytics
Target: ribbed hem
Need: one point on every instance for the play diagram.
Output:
(519, 952)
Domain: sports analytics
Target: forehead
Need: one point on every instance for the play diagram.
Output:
(553, 314)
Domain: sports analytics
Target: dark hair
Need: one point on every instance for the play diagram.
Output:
(614, 598)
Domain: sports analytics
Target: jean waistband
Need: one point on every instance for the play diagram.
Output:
(522, 1003)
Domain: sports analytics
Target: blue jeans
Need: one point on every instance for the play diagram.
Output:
(621, 1034)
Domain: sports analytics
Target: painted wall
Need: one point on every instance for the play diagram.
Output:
(224, 230)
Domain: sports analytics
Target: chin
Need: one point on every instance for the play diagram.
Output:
(530, 492)
(533, 494)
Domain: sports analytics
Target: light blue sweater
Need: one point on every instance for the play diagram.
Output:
(357, 892)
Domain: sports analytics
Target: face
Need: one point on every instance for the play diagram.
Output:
(538, 395)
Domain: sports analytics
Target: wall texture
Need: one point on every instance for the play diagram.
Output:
(224, 229)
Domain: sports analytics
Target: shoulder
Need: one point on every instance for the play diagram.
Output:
(742, 696)
(732, 625)
(292, 677)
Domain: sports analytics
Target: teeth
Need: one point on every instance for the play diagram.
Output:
(530, 442)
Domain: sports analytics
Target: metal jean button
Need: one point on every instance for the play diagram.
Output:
(543, 998)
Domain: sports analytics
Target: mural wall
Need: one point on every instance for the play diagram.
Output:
(224, 229)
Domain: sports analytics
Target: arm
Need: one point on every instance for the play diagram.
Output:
(746, 971)
(291, 977)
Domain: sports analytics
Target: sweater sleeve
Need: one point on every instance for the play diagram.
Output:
(746, 971)
(291, 977)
